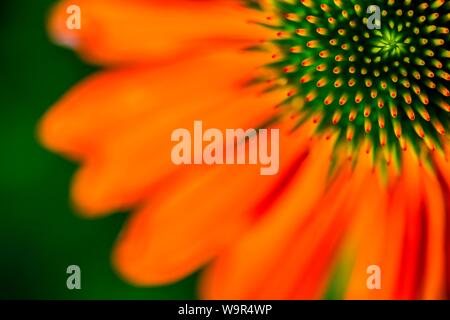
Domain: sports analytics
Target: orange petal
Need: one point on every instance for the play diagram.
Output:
(121, 123)
(435, 245)
(397, 238)
(118, 31)
(113, 101)
(443, 173)
(126, 167)
(188, 223)
(274, 258)
(381, 237)
(323, 236)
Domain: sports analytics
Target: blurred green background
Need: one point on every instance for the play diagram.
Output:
(40, 236)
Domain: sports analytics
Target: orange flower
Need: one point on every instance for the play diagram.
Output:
(297, 235)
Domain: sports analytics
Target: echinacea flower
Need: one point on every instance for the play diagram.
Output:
(364, 178)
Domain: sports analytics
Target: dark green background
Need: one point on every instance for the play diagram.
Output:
(39, 233)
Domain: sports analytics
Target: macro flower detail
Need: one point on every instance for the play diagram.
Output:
(312, 69)
(383, 90)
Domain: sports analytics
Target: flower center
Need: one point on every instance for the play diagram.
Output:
(384, 89)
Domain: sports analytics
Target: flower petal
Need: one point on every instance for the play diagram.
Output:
(380, 243)
(111, 102)
(120, 123)
(405, 238)
(188, 223)
(443, 171)
(435, 241)
(119, 31)
(274, 259)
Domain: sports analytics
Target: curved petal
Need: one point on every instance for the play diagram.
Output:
(436, 205)
(288, 254)
(110, 102)
(124, 31)
(188, 223)
(120, 122)
(405, 238)
(389, 239)
(443, 171)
